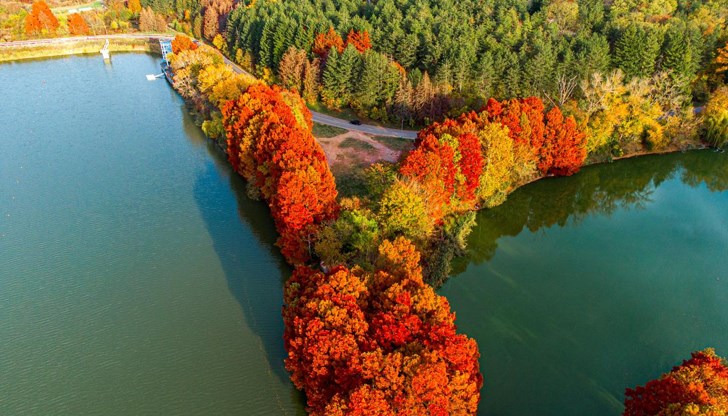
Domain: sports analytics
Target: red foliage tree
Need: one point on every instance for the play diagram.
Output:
(359, 40)
(182, 43)
(699, 386)
(525, 121)
(39, 19)
(471, 165)
(564, 151)
(380, 343)
(432, 165)
(323, 43)
(274, 149)
(77, 25)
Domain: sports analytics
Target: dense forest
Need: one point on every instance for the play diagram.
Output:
(457, 54)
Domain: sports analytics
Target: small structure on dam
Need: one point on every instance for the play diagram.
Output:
(105, 50)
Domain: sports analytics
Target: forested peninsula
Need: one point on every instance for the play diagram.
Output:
(505, 92)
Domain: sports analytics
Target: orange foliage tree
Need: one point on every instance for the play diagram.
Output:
(40, 19)
(182, 43)
(134, 6)
(379, 343)
(699, 386)
(77, 25)
(359, 40)
(323, 43)
(270, 144)
(564, 149)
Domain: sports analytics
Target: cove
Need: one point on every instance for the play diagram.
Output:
(577, 288)
(135, 275)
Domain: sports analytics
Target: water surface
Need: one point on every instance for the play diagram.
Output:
(135, 276)
(579, 287)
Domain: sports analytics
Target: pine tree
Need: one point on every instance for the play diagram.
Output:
(291, 68)
(265, 55)
(312, 72)
(636, 51)
(677, 52)
(627, 51)
(211, 23)
(424, 95)
(402, 107)
(340, 79)
(378, 82)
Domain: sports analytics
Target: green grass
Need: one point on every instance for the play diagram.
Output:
(351, 143)
(97, 4)
(323, 131)
(395, 143)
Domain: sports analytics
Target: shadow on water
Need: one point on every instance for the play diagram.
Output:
(600, 189)
(260, 296)
(245, 246)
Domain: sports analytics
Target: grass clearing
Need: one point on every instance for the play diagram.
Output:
(323, 131)
(395, 143)
(78, 7)
(352, 143)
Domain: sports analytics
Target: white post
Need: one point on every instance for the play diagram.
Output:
(105, 50)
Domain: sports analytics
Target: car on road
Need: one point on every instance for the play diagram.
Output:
(355, 122)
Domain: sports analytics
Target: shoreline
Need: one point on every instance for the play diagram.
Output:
(149, 43)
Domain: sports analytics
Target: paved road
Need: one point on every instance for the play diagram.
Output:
(317, 117)
(341, 123)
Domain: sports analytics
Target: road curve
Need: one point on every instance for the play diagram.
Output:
(341, 123)
(317, 117)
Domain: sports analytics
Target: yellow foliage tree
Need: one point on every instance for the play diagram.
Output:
(722, 59)
(134, 6)
(497, 149)
(402, 211)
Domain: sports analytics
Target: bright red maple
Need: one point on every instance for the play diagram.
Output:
(378, 343)
(699, 386)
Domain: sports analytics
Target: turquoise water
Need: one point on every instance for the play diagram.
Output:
(137, 279)
(135, 276)
(577, 288)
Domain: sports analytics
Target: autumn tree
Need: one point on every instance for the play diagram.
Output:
(716, 118)
(77, 25)
(378, 343)
(324, 42)
(134, 6)
(270, 144)
(699, 386)
(211, 23)
(564, 151)
(40, 20)
(403, 211)
(496, 178)
(149, 21)
(292, 68)
(182, 43)
(359, 40)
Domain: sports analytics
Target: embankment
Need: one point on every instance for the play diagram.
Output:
(48, 48)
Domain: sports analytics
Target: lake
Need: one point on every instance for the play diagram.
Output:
(135, 276)
(577, 288)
